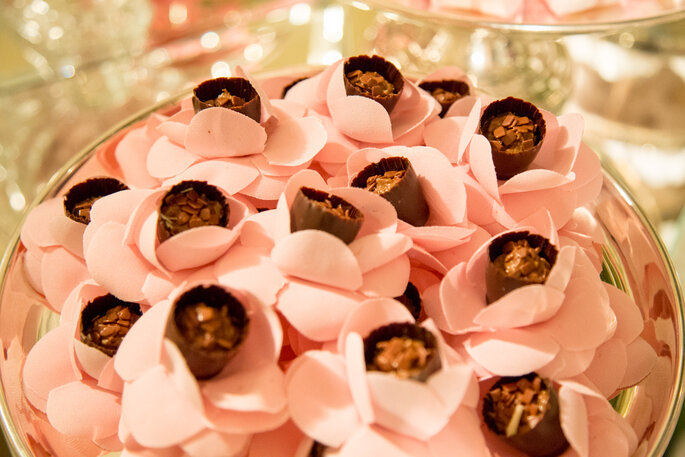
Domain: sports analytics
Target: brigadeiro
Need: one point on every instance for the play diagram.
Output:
(524, 411)
(191, 204)
(411, 299)
(406, 350)
(517, 259)
(237, 94)
(394, 179)
(314, 209)
(79, 198)
(375, 78)
(208, 324)
(105, 321)
(515, 130)
(446, 92)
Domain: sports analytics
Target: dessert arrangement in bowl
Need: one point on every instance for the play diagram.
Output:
(343, 263)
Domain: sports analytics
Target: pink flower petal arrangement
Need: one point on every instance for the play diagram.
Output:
(340, 272)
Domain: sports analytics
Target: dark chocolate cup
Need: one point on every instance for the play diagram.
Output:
(201, 187)
(450, 85)
(306, 214)
(547, 438)
(508, 165)
(404, 330)
(98, 307)
(90, 189)
(383, 68)
(407, 196)
(240, 87)
(496, 282)
(411, 299)
(205, 363)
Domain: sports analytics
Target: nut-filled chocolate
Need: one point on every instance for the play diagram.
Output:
(79, 199)
(517, 259)
(375, 78)
(105, 321)
(515, 130)
(314, 209)
(208, 324)
(446, 92)
(411, 299)
(394, 179)
(406, 350)
(525, 411)
(236, 94)
(191, 204)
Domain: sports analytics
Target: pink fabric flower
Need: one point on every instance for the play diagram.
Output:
(591, 426)
(335, 277)
(564, 176)
(81, 378)
(334, 400)
(532, 328)
(166, 411)
(123, 253)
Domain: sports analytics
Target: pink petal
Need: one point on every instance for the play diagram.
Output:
(368, 442)
(362, 119)
(295, 142)
(373, 250)
(451, 384)
(257, 230)
(53, 354)
(167, 159)
(371, 314)
(179, 374)
(422, 417)
(176, 126)
(608, 367)
(242, 421)
(265, 187)
(306, 178)
(584, 308)
(196, 247)
(531, 180)
(439, 238)
(459, 303)
(109, 379)
(482, 166)
(219, 132)
(567, 364)
(512, 352)
(388, 280)
(461, 436)
(267, 168)
(560, 274)
(589, 177)
(607, 438)
(338, 146)
(33, 233)
(641, 360)
(209, 443)
(141, 350)
(628, 316)
(379, 214)
(131, 155)
(263, 344)
(244, 268)
(98, 411)
(356, 376)
(61, 272)
(563, 157)
(282, 442)
(559, 201)
(464, 251)
(524, 306)
(67, 233)
(32, 267)
(574, 422)
(114, 265)
(117, 207)
(317, 311)
(329, 260)
(414, 108)
(91, 360)
(319, 398)
(231, 175)
(156, 413)
(257, 390)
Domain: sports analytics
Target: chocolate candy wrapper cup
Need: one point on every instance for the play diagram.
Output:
(88, 192)
(307, 213)
(209, 90)
(381, 66)
(459, 88)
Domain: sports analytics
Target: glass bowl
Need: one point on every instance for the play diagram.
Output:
(634, 260)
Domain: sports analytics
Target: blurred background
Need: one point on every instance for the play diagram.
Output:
(71, 71)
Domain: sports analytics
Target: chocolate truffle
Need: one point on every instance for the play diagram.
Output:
(446, 92)
(394, 179)
(407, 350)
(208, 324)
(318, 210)
(411, 299)
(191, 204)
(375, 78)
(524, 411)
(515, 130)
(232, 93)
(79, 198)
(105, 321)
(517, 259)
